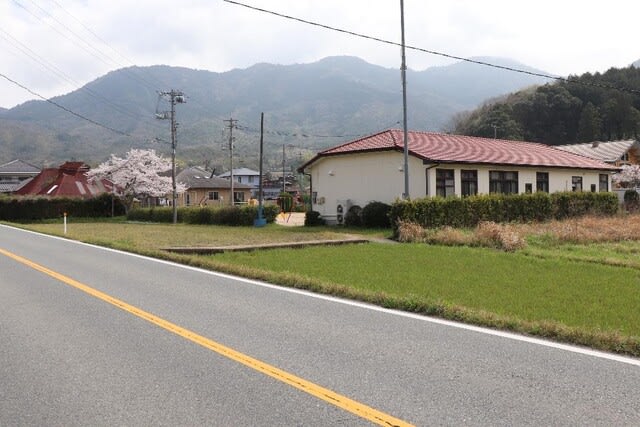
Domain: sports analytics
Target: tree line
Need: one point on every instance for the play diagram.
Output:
(586, 108)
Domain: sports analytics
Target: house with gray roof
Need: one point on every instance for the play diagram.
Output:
(205, 189)
(15, 174)
(619, 153)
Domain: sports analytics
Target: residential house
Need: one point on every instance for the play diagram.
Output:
(245, 176)
(15, 174)
(203, 188)
(372, 169)
(619, 153)
(68, 180)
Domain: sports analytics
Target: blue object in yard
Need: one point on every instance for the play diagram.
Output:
(261, 221)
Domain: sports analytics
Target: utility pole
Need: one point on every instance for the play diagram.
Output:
(232, 124)
(260, 221)
(403, 68)
(175, 97)
(284, 188)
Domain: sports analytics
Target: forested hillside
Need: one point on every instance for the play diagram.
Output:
(307, 106)
(591, 107)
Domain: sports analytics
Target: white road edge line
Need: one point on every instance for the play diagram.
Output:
(424, 318)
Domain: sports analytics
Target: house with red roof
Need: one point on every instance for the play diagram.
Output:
(372, 169)
(67, 180)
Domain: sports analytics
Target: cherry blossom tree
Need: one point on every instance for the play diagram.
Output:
(136, 175)
(629, 176)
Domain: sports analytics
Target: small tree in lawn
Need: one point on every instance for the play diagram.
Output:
(629, 176)
(136, 176)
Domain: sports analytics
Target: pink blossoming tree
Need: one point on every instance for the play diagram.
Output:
(136, 176)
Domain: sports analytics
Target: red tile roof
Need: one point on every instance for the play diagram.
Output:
(69, 180)
(445, 148)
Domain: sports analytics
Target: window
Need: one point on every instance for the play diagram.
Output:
(542, 181)
(505, 182)
(604, 182)
(576, 183)
(238, 196)
(187, 199)
(240, 179)
(214, 195)
(314, 198)
(445, 184)
(251, 177)
(469, 182)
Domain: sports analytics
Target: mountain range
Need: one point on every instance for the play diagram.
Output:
(307, 107)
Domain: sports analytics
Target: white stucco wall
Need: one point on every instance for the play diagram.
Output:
(363, 178)
(378, 176)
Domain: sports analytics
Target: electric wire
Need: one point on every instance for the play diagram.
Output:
(62, 75)
(80, 116)
(433, 52)
(158, 82)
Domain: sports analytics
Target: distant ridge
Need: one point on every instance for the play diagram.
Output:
(338, 95)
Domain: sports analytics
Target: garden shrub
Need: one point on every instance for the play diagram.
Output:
(376, 215)
(313, 218)
(631, 200)
(226, 215)
(353, 218)
(29, 208)
(437, 212)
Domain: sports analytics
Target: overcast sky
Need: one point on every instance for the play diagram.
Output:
(55, 46)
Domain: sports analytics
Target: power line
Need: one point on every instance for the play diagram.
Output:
(310, 135)
(65, 108)
(433, 52)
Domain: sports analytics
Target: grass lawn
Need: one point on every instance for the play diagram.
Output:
(582, 293)
(576, 294)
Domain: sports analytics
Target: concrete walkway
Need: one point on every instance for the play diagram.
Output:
(209, 250)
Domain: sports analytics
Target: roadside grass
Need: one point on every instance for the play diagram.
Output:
(582, 303)
(570, 290)
(151, 237)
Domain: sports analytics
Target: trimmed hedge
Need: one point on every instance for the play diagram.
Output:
(312, 219)
(226, 215)
(26, 208)
(437, 212)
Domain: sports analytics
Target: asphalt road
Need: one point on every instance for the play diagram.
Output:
(71, 358)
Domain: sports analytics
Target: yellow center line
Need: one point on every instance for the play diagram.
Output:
(313, 389)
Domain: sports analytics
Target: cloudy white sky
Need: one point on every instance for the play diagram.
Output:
(55, 46)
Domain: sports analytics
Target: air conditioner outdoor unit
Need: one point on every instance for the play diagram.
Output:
(342, 207)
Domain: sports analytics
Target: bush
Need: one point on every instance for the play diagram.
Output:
(27, 208)
(353, 218)
(313, 218)
(226, 215)
(438, 212)
(376, 215)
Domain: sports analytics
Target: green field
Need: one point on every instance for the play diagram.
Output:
(586, 294)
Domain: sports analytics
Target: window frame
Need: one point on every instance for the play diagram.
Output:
(445, 182)
(575, 180)
(504, 183)
(542, 182)
(468, 182)
(605, 181)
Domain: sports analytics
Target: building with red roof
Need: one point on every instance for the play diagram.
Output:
(372, 169)
(68, 180)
